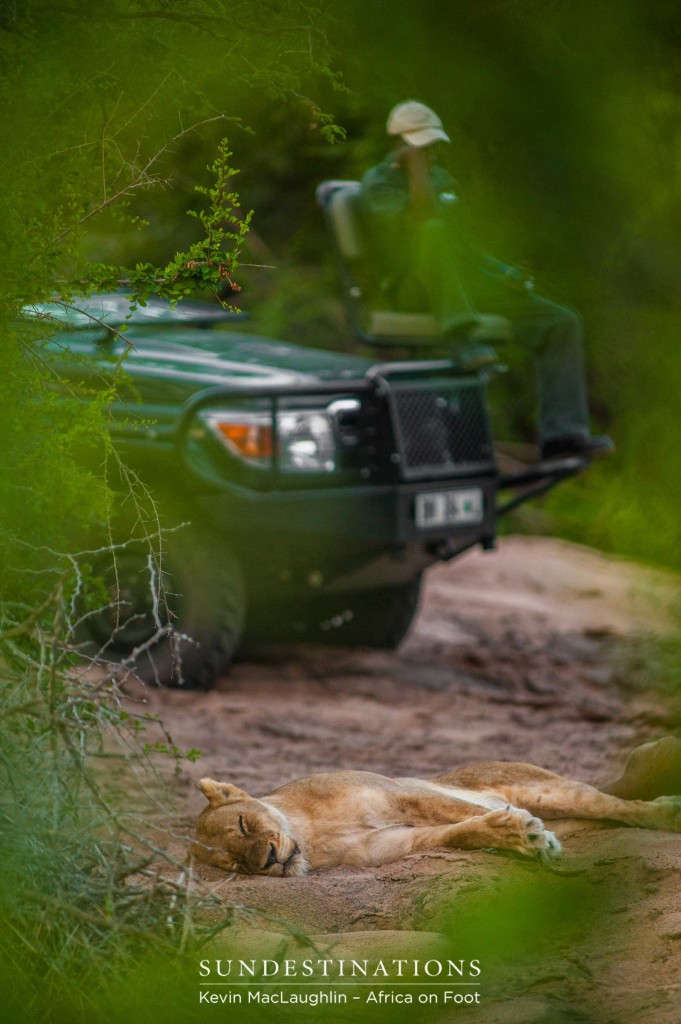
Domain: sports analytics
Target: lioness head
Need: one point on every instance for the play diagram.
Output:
(238, 833)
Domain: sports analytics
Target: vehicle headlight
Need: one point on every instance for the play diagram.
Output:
(307, 444)
(305, 441)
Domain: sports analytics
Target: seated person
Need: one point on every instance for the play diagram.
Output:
(431, 267)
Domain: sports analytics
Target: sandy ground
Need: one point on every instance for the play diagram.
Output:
(531, 653)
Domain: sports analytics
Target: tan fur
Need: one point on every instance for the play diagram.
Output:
(363, 819)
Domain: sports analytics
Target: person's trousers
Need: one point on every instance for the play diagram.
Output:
(553, 333)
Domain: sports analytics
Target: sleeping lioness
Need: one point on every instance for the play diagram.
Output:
(363, 819)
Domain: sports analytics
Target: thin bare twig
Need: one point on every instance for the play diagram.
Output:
(143, 180)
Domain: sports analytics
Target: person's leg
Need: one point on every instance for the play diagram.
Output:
(434, 273)
(554, 334)
(433, 282)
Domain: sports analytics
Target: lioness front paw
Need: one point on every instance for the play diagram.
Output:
(520, 831)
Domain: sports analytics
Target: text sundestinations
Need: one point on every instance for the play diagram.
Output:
(339, 968)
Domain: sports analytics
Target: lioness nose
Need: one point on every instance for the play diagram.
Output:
(272, 858)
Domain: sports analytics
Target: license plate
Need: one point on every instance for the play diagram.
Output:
(449, 508)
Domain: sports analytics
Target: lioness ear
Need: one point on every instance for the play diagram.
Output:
(219, 793)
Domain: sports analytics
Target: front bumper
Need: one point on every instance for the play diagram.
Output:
(342, 538)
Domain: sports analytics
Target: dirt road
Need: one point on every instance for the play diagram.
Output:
(535, 653)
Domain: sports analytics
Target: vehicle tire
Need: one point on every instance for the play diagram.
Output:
(174, 620)
(378, 618)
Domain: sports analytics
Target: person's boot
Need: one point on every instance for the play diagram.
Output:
(577, 445)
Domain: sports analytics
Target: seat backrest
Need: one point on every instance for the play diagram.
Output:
(341, 203)
(340, 200)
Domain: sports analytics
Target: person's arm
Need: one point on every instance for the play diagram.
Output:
(515, 277)
(423, 197)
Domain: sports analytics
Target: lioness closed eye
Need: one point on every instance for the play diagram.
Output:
(362, 819)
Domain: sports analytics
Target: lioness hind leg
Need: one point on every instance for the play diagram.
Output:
(553, 796)
(565, 799)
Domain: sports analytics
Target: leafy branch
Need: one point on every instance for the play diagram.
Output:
(209, 262)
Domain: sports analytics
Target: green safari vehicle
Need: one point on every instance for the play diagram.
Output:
(301, 494)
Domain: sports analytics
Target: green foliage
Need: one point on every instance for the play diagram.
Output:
(81, 137)
(629, 505)
(208, 259)
(208, 263)
(81, 895)
(97, 99)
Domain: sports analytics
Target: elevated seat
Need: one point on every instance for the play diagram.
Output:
(371, 319)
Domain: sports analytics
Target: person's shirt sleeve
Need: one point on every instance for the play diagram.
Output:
(384, 190)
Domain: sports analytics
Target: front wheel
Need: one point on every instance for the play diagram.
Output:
(173, 617)
(379, 618)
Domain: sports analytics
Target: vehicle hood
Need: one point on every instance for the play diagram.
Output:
(171, 365)
(173, 351)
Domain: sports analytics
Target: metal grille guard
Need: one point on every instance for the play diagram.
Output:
(534, 480)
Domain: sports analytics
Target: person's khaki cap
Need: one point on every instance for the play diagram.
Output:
(416, 123)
